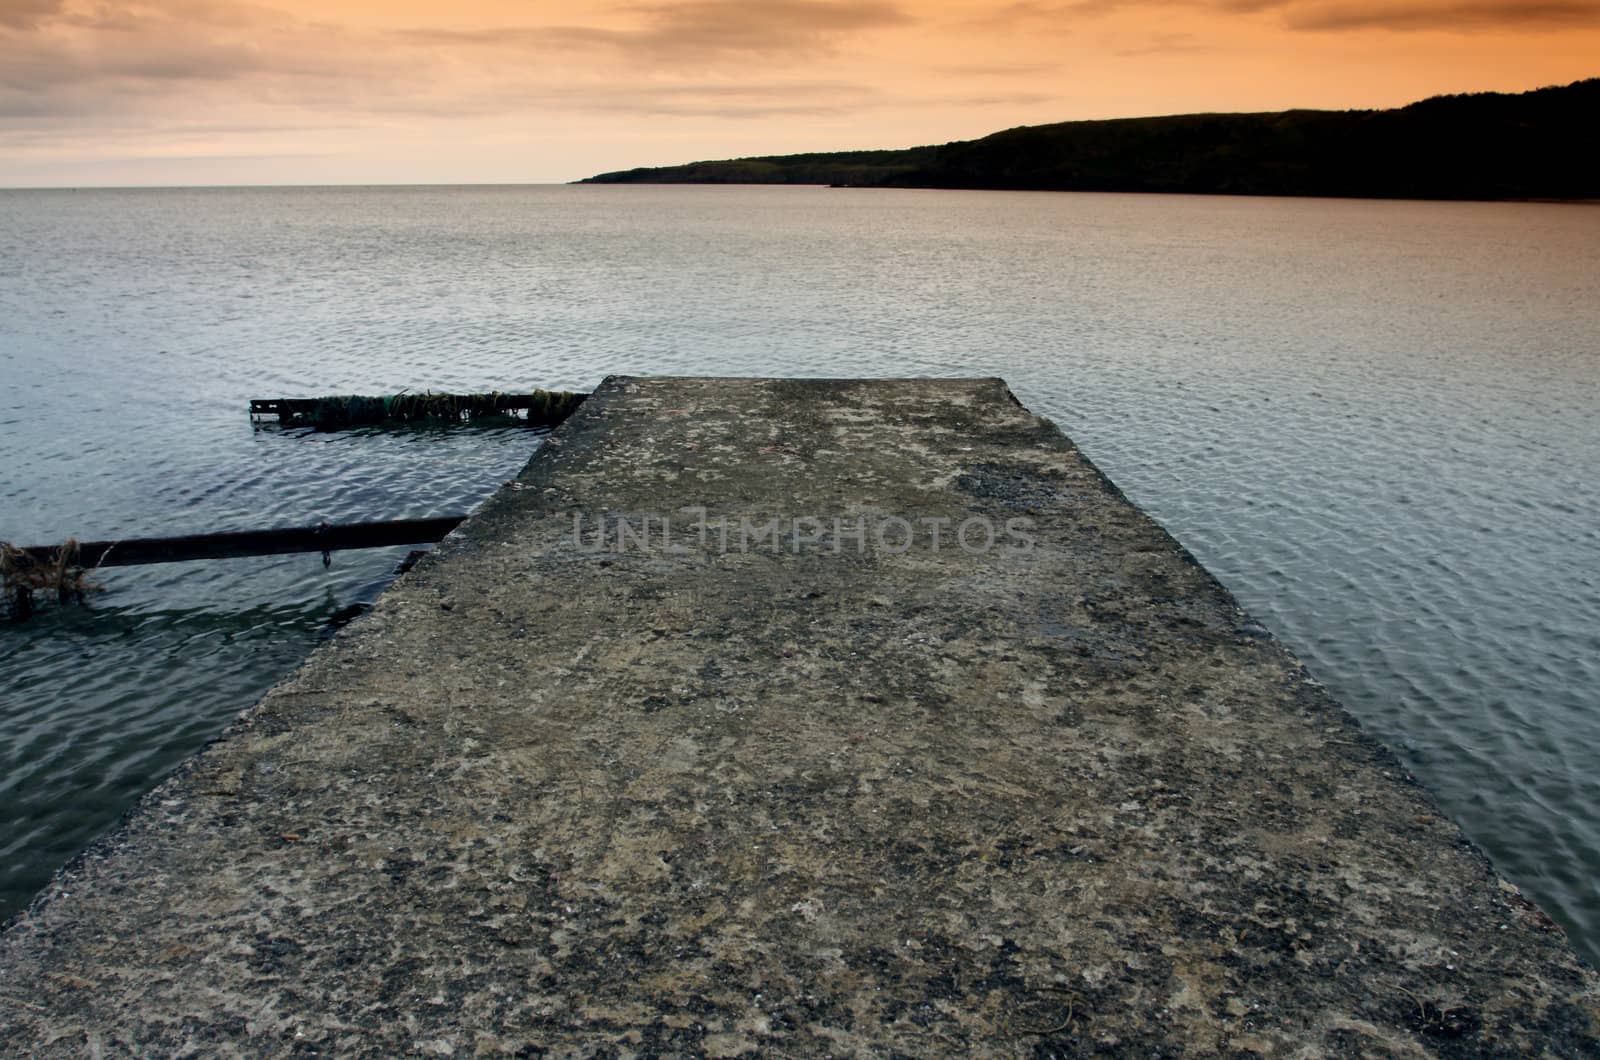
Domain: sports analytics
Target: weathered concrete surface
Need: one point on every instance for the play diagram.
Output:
(927, 804)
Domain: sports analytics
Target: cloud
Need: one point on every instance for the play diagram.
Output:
(27, 14)
(702, 29)
(697, 31)
(1462, 15)
(117, 58)
(1000, 69)
(751, 105)
(753, 99)
(146, 64)
(1166, 44)
(1002, 99)
(1031, 13)
(1323, 16)
(770, 99)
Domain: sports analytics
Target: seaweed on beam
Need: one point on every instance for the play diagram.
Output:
(537, 408)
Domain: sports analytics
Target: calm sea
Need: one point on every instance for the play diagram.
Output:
(1377, 422)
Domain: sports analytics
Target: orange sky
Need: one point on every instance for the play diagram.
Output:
(421, 91)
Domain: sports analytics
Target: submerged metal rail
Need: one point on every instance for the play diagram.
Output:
(278, 541)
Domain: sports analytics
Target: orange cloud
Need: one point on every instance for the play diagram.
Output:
(1448, 15)
(696, 31)
(26, 14)
(1322, 15)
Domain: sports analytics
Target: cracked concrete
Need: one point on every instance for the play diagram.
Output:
(549, 800)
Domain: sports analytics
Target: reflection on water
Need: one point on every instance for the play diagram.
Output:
(1373, 420)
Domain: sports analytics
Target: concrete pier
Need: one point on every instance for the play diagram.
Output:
(751, 781)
